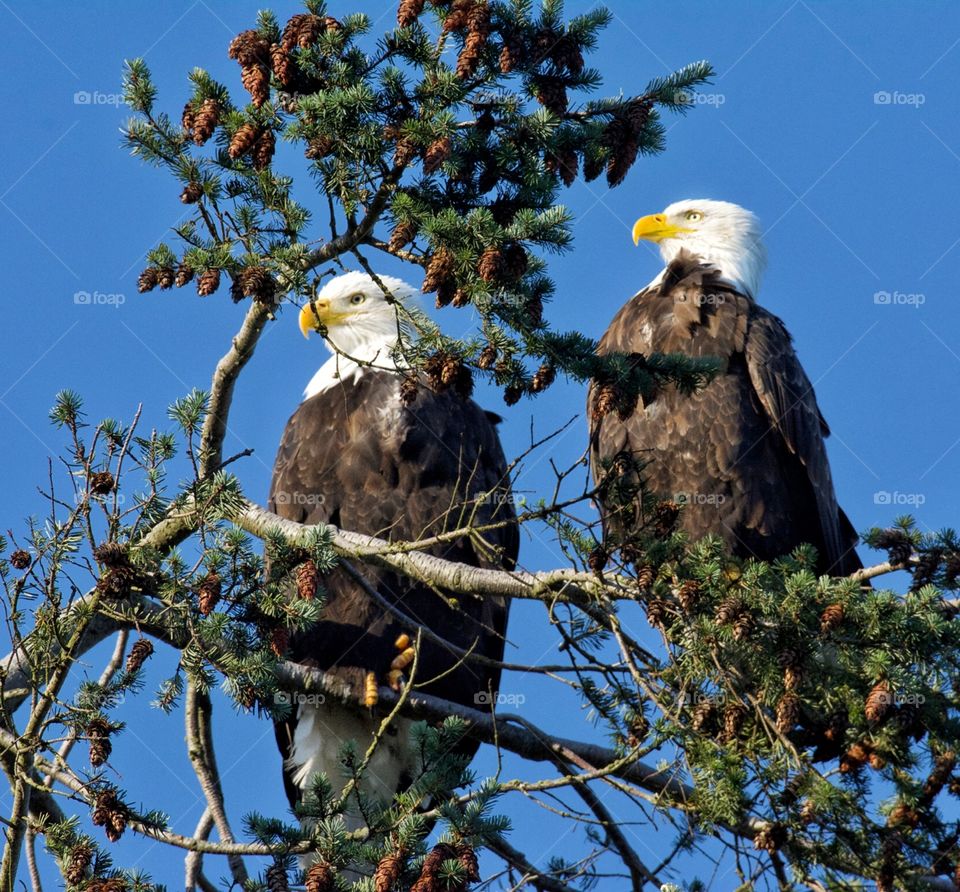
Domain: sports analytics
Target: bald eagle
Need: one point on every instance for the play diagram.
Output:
(355, 455)
(744, 455)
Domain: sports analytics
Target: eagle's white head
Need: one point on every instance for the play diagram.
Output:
(358, 322)
(720, 233)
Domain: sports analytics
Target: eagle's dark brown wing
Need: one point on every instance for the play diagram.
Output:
(746, 452)
(355, 457)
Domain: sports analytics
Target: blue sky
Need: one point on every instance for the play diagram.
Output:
(836, 123)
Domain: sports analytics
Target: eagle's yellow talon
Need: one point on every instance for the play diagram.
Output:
(371, 694)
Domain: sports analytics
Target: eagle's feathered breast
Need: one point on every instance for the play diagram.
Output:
(745, 452)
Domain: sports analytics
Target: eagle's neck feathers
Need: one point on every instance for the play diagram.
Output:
(359, 349)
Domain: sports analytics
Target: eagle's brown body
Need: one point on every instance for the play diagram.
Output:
(355, 457)
(746, 453)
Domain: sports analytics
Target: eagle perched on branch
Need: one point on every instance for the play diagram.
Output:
(362, 456)
(745, 455)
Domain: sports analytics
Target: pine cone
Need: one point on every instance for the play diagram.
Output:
(244, 139)
(605, 401)
(208, 282)
(409, 390)
(490, 266)
(468, 861)
(515, 261)
(277, 880)
(249, 48)
(98, 734)
(437, 152)
(307, 580)
(256, 80)
(566, 54)
(943, 766)
(733, 718)
(263, 150)
(460, 298)
(404, 152)
(511, 55)
(445, 294)
(877, 762)
(487, 357)
(478, 30)
(808, 813)
(704, 717)
(593, 163)
(184, 275)
(192, 192)
(319, 147)
(728, 610)
(903, 815)
(283, 65)
(20, 559)
(597, 559)
(439, 270)
(620, 160)
(638, 113)
(165, 277)
(110, 814)
(665, 519)
(878, 703)
(408, 12)
(742, 626)
(142, 649)
(831, 617)
(854, 758)
(403, 233)
(101, 483)
(512, 394)
(897, 544)
(256, 282)
(656, 612)
(280, 641)
(81, 855)
(303, 30)
(788, 713)
(688, 595)
(388, 872)
(543, 378)
(188, 118)
(551, 93)
(432, 864)
(565, 163)
(534, 311)
(791, 662)
(319, 878)
(111, 555)
(645, 577)
(208, 595)
(148, 280)
(205, 121)
(770, 838)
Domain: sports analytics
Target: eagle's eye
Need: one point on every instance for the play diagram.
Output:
(357, 299)
(694, 216)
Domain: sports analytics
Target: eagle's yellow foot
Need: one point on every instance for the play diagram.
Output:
(400, 661)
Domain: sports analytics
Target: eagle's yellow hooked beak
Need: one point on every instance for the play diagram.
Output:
(655, 228)
(314, 315)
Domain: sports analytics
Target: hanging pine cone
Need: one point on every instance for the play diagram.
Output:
(81, 856)
(148, 280)
(208, 282)
(943, 765)
(110, 814)
(437, 152)
(728, 610)
(551, 93)
(111, 555)
(256, 282)
(565, 53)
(903, 815)
(468, 861)
(791, 662)
(184, 275)
(409, 388)
(101, 483)
(831, 618)
(770, 838)
(534, 311)
(283, 65)
(593, 164)
(98, 734)
(205, 121)
(263, 150)
(743, 626)
(788, 713)
(20, 559)
(407, 13)
(188, 118)
(305, 28)
(897, 544)
(734, 715)
(665, 517)
(564, 163)
(319, 147)
(320, 878)
(645, 577)
(141, 651)
(878, 702)
(638, 113)
(487, 357)
(605, 400)
(165, 277)
(703, 720)
(511, 55)
(854, 758)
(404, 152)
(249, 48)
(490, 267)
(512, 394)
(208, 595)
(277, 880)
(429, 880)
(515, 261)
(688, 595)
(623, 148)
(308, 578)
(192, 192)
(403, 233)
(280, 641)
(808, 813)
(445, 294)
(543, 378)
(244, 139)
(877, 762)
(478, 30)
(656, 612)
(439, 270)
(597, 559)
(461, 298)
(388, 871)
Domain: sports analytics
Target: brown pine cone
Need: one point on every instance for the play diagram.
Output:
(439, 270)
(788, 713)
(409, 390)
(208, 595)
(277, 880)
(742, 626)
(184, 275)
(770, 838)
(877, 762)
(656, 612)
(512, 394)
(307, 580)
(728, 610)
(469, 862)
(461, 297)
(450, 370)
(191, 193)
(943, 766)
(283, 65)
(854, 758)
(605, 400)
(487, 357)
(490, 266)
(478, 30)
(256, 282)
(404, 152)
(638, 113)
(511, 55)
(148, 279)
(445, 294)
(98, 734)
(205, 121)
(188, 118)
(515, 260)
(403, 233)
(551, 93)
(808, 813)
(791, 662)
(280, 641)
(263, 150)
(110, 814)
(831, 617)
(534, 310)
(437, 152)
(432, 864)
(733, 718)
(101, 483)
(407, 13)
(665, 519)
(703, 720)
(543, 378)
(879, 701)
(319, 878)
(249, 48)
(645, 577)
(165, 277)
(566, 54)
(688, 595)
(244, 139)
(20, 559)
(388, 872)
(597, 559)
(593, 164)
(111, 555)
(319, 147)
(208, 282)
(142, 649)
(565, 164)
(620, 160)
(81, 855)
(903, 815)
